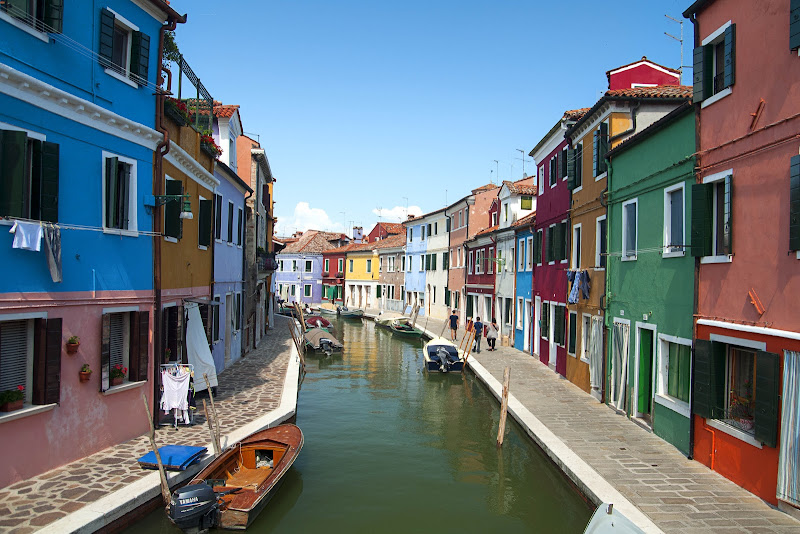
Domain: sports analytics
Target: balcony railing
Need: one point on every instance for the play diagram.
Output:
(266, 262)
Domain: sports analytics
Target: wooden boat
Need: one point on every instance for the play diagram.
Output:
(349, 313)
(319, 339)
(442, 355)
(327, 311)
(317, 321)
(400, 325)
(231, 491)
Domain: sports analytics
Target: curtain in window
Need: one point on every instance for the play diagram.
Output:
(619, 365)
(596, 354)
(789, 456)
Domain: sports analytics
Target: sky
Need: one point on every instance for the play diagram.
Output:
(370, 110)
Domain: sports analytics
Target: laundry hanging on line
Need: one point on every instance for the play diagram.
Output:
(27, 235)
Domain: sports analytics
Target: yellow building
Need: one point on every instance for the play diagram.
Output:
(361, 275)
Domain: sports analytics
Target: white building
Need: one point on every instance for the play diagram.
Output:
(437, 260)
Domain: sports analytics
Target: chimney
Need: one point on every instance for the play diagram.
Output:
(358, 234)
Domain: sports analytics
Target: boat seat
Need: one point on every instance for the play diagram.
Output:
(248, 478)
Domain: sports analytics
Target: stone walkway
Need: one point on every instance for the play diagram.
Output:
(249, 388)
(677, 494)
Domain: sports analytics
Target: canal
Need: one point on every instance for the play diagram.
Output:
(390, 448)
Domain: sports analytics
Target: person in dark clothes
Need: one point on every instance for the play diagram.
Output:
(453, 325)
(478, 333)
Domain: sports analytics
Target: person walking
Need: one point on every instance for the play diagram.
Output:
(491, 334)
(478, 332)
(453, 325)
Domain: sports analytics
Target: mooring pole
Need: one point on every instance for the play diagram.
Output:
(213, 409)
(214, 440)
(503, 407)
(152, 436)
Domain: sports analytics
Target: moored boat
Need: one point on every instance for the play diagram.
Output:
(231, 491)
(403, 326)
(349, 313)
(327, 311)
(319, 339)
(442, 355)
(317, 321)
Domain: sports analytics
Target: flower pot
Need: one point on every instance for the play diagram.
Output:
(210, 150)
(116, 381)
(72, 348)
(12, 405)
(173, 113)
(84, 375)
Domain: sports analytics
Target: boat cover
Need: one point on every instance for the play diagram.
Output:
(174, 457)
(197, 350)
(315, 335)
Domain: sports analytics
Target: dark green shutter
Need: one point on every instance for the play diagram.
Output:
(140, 56)
(564, 241)
(172, 210)
(49, 183)
(558, 238)
(54, 15)
(105, 50)
(727, 199)
(794, 25)
(39, 360)
(564, 155)
(729, 73)
(702, 67)
(112, 183)
(794, 202)
(708, 388)
(139, 345)
(35, 196)
(702, 219)
(447, 222)
(595, 152)
(571, 168)
(445, 260)
(378, 291)
(768, 383)
(13, 146)
(239, 226)
(573, 333)
(204, 223)
(602, 143)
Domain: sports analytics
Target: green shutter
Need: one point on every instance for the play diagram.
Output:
(558, 238)
(708, 389)
(13, 146)
(106, 46)
(794, 202)
(794, 25)
(140, 56)
(49, 183)
(700, 75)
(54, 15)
(564, 241)
(378, 291)
(550, 256)
(768, 383)
(595, 151)
(571, 168)
(602, 143)
(564, 162)
(112, 185)
(729, 72)
(52, 370)
(172, 210)
(702, 219)
(204, 223)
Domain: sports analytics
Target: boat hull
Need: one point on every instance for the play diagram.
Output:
(442, 356)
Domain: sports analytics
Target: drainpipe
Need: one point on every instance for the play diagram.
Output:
(245, 285)
(696, 286)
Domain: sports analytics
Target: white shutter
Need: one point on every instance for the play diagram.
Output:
(13, 354)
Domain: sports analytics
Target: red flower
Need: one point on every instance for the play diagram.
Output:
(21, 388)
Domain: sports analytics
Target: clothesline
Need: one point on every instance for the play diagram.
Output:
(80, 227)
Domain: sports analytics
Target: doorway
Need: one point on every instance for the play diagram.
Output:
(229, 309)
(645, 364)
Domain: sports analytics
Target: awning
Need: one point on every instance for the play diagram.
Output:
(202, 300)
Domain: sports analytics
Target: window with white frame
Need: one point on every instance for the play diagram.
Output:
(119, 338)
(529, 253)
(230, 222)
(369, 265)
(601, 243)
(340, 265)
(541, 178)
(576, 246)
(510, 261)
(572, 338)
(629, 227)
(327, 265)
(586, 337)
(715, 65)
(409, 263)
(350, 265)
(308, 266)
(509, 311)
(294, 266)
(307, 290)
(674, 217)
(119, 192)
(293, 290)
(545, 330)
(480, 259)
(674, 369)
(712, 216)
(390, 264)
(218, 218)
(421, 262)
(521, 255)
(520, 309)
(469, 265)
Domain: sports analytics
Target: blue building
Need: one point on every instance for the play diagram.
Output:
(300, 266)
(77, 141)
(523, 310)
(228, 271)
(416, 247)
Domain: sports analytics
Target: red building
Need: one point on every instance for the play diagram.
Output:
(481, 252)
(382, 230)
(333, 274)
(746, 237)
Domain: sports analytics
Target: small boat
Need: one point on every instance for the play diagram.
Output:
(443, 355)
(231, 491)
(317, 321)
(400, 325)
(319, 339)
(349, 313)
(328, 311)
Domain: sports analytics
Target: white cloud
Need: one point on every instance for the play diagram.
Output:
(397, 213)
(307, 218)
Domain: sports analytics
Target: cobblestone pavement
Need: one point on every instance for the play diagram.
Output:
(677, 494)
(249, 388)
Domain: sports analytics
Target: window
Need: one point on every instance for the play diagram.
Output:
(341, 265)
(390, 264)
(509, 311)
(537, 248)
(576, 247)
(436, 228)
(410, 235)
(308, 266)
(521, 256)
(327, 265)
(293, 290)
(520, 307)
(118, 340)
(16, 359)
(494, 218)
(505, 211)
(124, 50)
(460, 218)
(629, 223)
(119, 192)
(230, 222)
(409, 263)
(421, 262)
(586, 336)
(599, 149)
(675, 356)
(28, 176)
(712, 216)
(500, 262)
(550, 242)
(573, 333)
(402, 263)
(173, 224)
(433, 262)
(204, 223)
(469, 265)
(239, 227)
(294, 266)
(369, 266)
(422, 231)
(526, 202)
(715, 65)
(600, 243)
(215, 319)
(511, 258)
(541, 178)
(575, 167)
(429, 230)
(545, 320)
(445, 260)
(553, 170)
(529, 253)
(350, 264)
(44, 16)
(673, 220)
(218, 218)
(307, 290)
(560, 324)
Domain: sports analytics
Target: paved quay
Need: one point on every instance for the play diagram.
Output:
(611, 458)
(90, 494)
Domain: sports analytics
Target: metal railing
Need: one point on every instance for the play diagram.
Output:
(266, 262)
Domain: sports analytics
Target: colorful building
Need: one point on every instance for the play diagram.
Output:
(78, 136)
(416, 247)
(391, 280)
(523, 292)
(481, 257)
(437, 241)
(746, 237)
(458, 213)
(650, 274)
(301, 266)
(361, 278)
(382, 230)
(333, 275)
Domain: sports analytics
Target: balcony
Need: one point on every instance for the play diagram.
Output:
(340, 274)
(266, 262)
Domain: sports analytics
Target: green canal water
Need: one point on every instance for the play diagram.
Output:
(392, 449)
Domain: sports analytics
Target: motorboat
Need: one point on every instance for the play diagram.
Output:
(400, 325)
(317, 321)
(442, 355)
(319, 339)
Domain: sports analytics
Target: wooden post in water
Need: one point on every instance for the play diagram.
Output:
(503, 407)
(214, 440)
(152, 436)
(213, 408)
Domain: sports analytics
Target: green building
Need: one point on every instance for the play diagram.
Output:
(650, 276)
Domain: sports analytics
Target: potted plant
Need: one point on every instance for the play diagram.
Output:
(85, 373)
(168, 354)
(118, 374)
(12, 399)
(177, 111)
(208, 145)
(72, 344)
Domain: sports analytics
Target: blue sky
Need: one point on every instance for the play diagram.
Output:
(372, 109)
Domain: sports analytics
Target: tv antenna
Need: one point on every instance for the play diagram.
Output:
(680, 40)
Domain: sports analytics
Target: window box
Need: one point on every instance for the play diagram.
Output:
(212, 150)
(173, 111)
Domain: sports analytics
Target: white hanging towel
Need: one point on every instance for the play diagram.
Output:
(27, 235)
(176, 391)
(197, 348)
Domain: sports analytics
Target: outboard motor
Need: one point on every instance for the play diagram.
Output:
(194, 508)
(326, 345)
(444, 360)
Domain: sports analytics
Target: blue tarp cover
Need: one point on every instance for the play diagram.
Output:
(174, 457)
